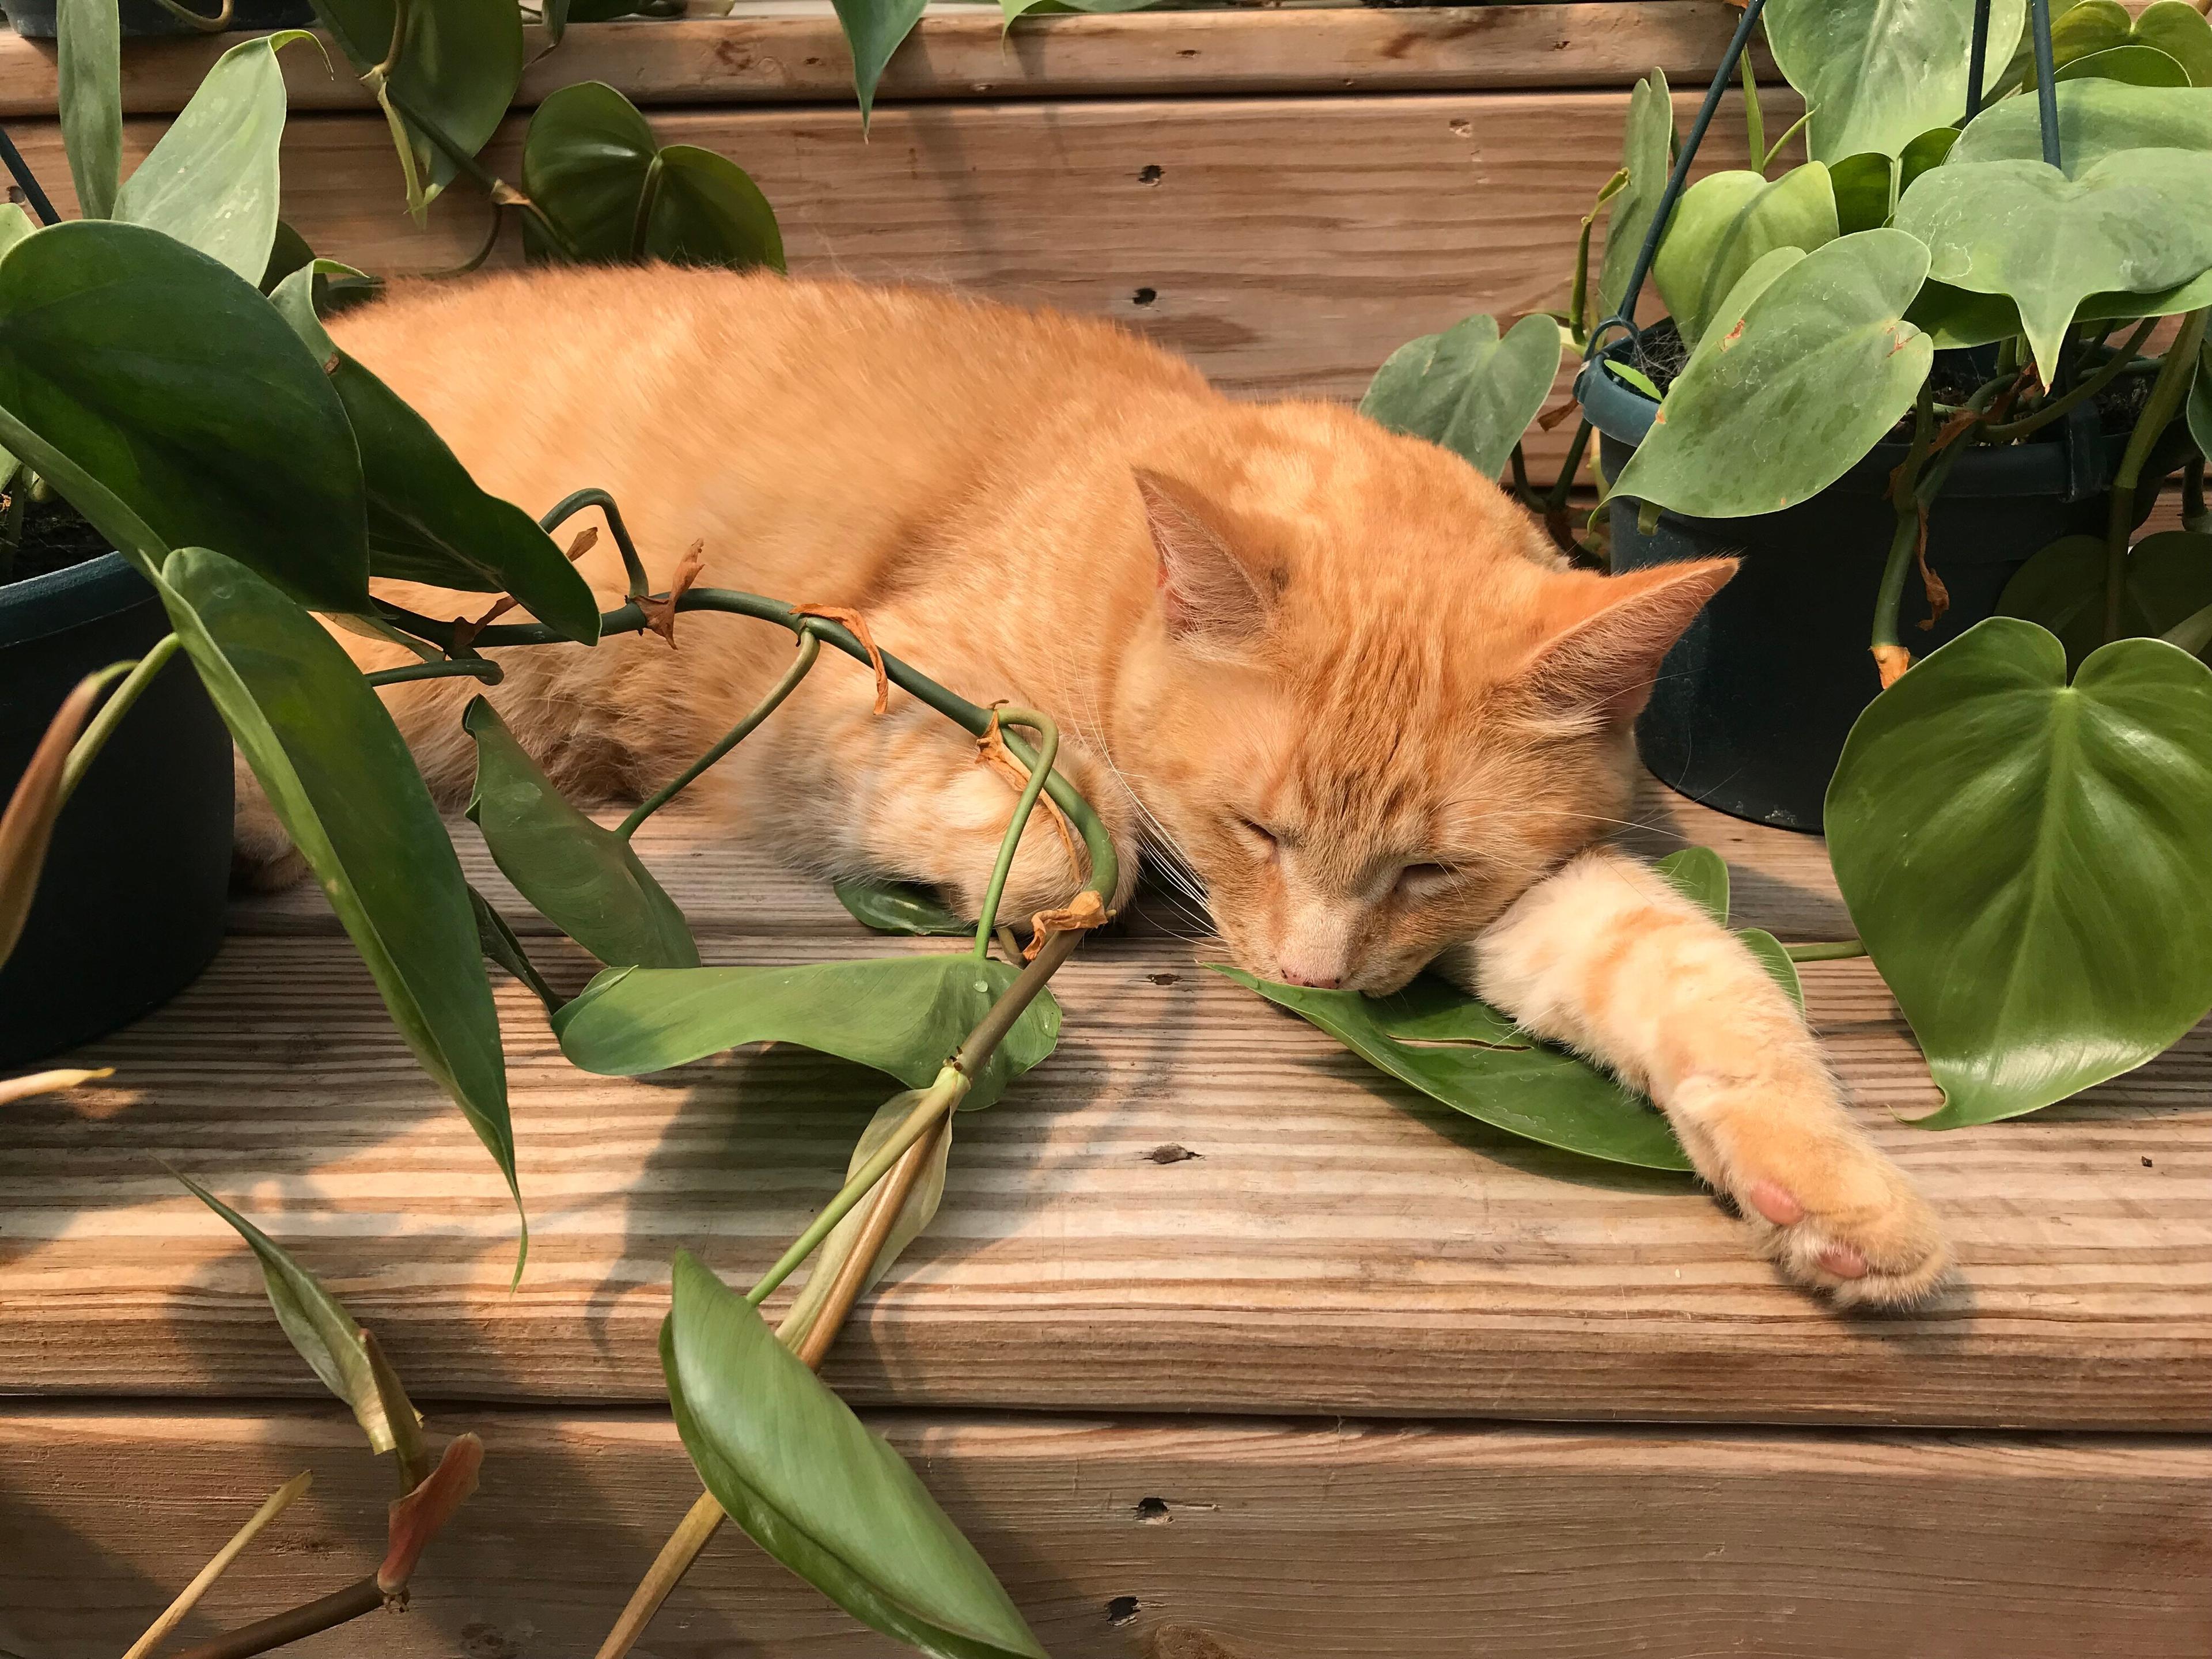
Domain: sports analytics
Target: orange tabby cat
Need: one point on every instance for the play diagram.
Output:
(1334, 672)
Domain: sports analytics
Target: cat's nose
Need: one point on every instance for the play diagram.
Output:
(1299, 975)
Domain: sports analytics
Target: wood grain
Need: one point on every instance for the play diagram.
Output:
(1339, 1244)
(798, 55)
(1282, 1541)
(1286, 245)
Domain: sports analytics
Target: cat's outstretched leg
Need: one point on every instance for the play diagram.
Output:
(1606, 957)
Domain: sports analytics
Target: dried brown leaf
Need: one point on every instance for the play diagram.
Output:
(853, 620)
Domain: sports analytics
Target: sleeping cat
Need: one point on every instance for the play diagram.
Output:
(1332, 672)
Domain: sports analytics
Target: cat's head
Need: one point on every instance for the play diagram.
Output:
(1377, 705)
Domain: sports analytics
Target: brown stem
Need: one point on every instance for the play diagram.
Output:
(306, 1620)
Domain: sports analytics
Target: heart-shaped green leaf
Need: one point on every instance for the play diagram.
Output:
(343, 784)
(584, 879)
(1930, 149)
(899, 908)
(1865, 186)
(2080, 30)
(1727, 222)
(317, 1323)
(1467, 390)
(1464, 1052)
(913, 1217)
(165, 379)
(792, 1465)
(2169, 577)
(2024, 229)
(88, 77)
(2097, 120)
(2178, 30)
(591, 164)
(211, 182)
(1877, 73)
(1647, 156)
(457, 67)
(427, 520)
(1754, 423)
(2138, 66)
(2024, 859)
(903, 1015)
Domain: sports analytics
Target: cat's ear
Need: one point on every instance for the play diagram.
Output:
(1614, 631)
(1206, 596)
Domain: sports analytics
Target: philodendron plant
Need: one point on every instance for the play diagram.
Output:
(1971, 257)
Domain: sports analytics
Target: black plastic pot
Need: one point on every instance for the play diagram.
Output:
(130, 906)
(1752, 706)
(35, 19)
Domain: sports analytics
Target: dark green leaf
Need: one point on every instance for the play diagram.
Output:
(500, 945)
(584, 164)
(167, 380)
(1472, 1058)
(211, 182)
(89, 73)
(586, 880)
(1754, 422)
(1866, 189)
(287, 252)
(1699, 875)
(2139, 66)
(327, 1337)
(814, 1488)
(1774, 958)
(1877, 73)
(2178, 30)
(1467, 390)
(2024, 859)
(707, 212)
(427, 520)
(904, 1015)
(339, 776)
(899, 908)
(873, 30)
(1928, 150)
(459, 66)
(1727, 222)
(1647, 157)
(2169, 577)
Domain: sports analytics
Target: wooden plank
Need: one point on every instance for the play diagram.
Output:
(798, 55)
(1323, 1542)
(1339, 1244)
(1179, 218)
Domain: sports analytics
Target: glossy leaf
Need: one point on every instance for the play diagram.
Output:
(338, 775)
(586, 880)
(1647, 158)
(899, 908)
(1877, 73)
(287, 252)
(88, 90)
(915, 1215)
(2169, 577)
(807, 1480)
(2048, 242)
(211, 181)
(2024, 859)
(1727, 222)
(1865, 187)
(1459, 1050)
(873, 30)
(903, 1015)
(1754, 423)
(427, 520)
(588, 163)
(2179, 31)
(326, 1336)
(2097, 120)
(165, 379)
(1467, 390)
(500, 945)
(459, 66)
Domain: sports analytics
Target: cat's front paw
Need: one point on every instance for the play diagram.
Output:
(1824, 1203)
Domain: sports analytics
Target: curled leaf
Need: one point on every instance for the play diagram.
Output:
(419, 1518)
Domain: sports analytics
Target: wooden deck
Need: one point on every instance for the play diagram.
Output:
(1242, 1332)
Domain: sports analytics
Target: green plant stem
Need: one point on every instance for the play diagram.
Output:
(2056, 407)
(1579, 302)
(810, 648)
(306, 1620)
(2165, 395)
(1796, 127)
(442, 668)
(1048, 751)
(2192, 633)
(1097, 845)
(214, 25)
(1904, 540)
(648, 197)
(490, 183)
(136, 678)
(1522, 492)
(633, 566)
(1826, 950)
(1754, 118)
(1556, 500)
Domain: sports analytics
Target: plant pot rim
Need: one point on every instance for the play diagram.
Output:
(1622, 413)
(61, 599)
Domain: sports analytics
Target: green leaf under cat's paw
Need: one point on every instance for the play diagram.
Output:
(903, 1015)
(814, 1488)
(1700, 875)
(2025, 858)
(1460, 1050)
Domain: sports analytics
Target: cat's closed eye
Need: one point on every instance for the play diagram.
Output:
(1261, 839)
(1420, 881)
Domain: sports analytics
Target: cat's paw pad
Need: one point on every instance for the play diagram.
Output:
(1846, 1221)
